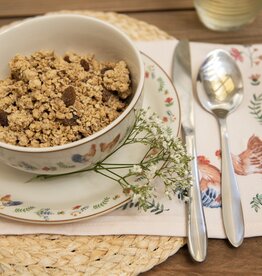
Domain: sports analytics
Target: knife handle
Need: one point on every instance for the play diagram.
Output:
(196, 224)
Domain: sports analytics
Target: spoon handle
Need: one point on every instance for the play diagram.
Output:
(197, 232)
(231, 203)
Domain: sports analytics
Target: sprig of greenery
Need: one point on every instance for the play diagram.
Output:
(165, 159)
(256, 202)
(256, 107)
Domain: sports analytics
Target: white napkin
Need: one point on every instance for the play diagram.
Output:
(241, 124)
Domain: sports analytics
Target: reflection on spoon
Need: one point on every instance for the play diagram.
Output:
(220, 91)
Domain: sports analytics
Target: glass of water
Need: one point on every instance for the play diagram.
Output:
(227, 15)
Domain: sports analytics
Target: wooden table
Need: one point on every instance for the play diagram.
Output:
(179, 19)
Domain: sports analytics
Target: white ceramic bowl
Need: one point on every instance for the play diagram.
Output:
(80, 34)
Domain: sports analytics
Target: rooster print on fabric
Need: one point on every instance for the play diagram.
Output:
(247, 162)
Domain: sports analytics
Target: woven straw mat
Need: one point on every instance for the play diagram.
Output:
(90, 255)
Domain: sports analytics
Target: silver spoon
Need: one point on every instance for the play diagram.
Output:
(220, 91)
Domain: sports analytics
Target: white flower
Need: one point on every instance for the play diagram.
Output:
(146, 116)
(136, 197)
(158, 121)
(153, 168)
(165, 145)
(136, 169)
(150, 173)
(154, 130)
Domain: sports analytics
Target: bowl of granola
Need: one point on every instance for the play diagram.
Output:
(70, 86)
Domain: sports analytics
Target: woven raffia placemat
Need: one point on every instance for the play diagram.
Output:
(90, 255)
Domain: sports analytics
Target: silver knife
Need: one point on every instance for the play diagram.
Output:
(182, 79)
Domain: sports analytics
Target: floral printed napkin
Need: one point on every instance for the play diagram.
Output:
(245, 134)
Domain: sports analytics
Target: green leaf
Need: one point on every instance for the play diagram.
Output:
(156, 208)
(129, 205)
(256, 107)
(24, 210)
(102, 203)
(84, 208)
(161, 84)
(256, 202)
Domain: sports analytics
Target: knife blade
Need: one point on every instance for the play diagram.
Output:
(182, 79)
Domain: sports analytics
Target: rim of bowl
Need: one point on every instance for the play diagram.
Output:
(113, 124)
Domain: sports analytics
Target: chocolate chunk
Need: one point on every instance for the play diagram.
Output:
(105, 95)
(69, 122)
(69, 96)
(85, 65)
(67, 59)
(3, 118)
(15, 75)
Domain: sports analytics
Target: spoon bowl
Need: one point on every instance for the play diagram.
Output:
(219, 85)
(220, 91)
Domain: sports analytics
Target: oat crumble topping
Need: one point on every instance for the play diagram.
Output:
(50, 100)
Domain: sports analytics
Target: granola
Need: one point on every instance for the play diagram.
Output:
(51, 100)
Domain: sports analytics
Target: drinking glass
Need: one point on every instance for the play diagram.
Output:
(227, 15)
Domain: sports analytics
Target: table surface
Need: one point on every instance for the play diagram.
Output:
(178, 18)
